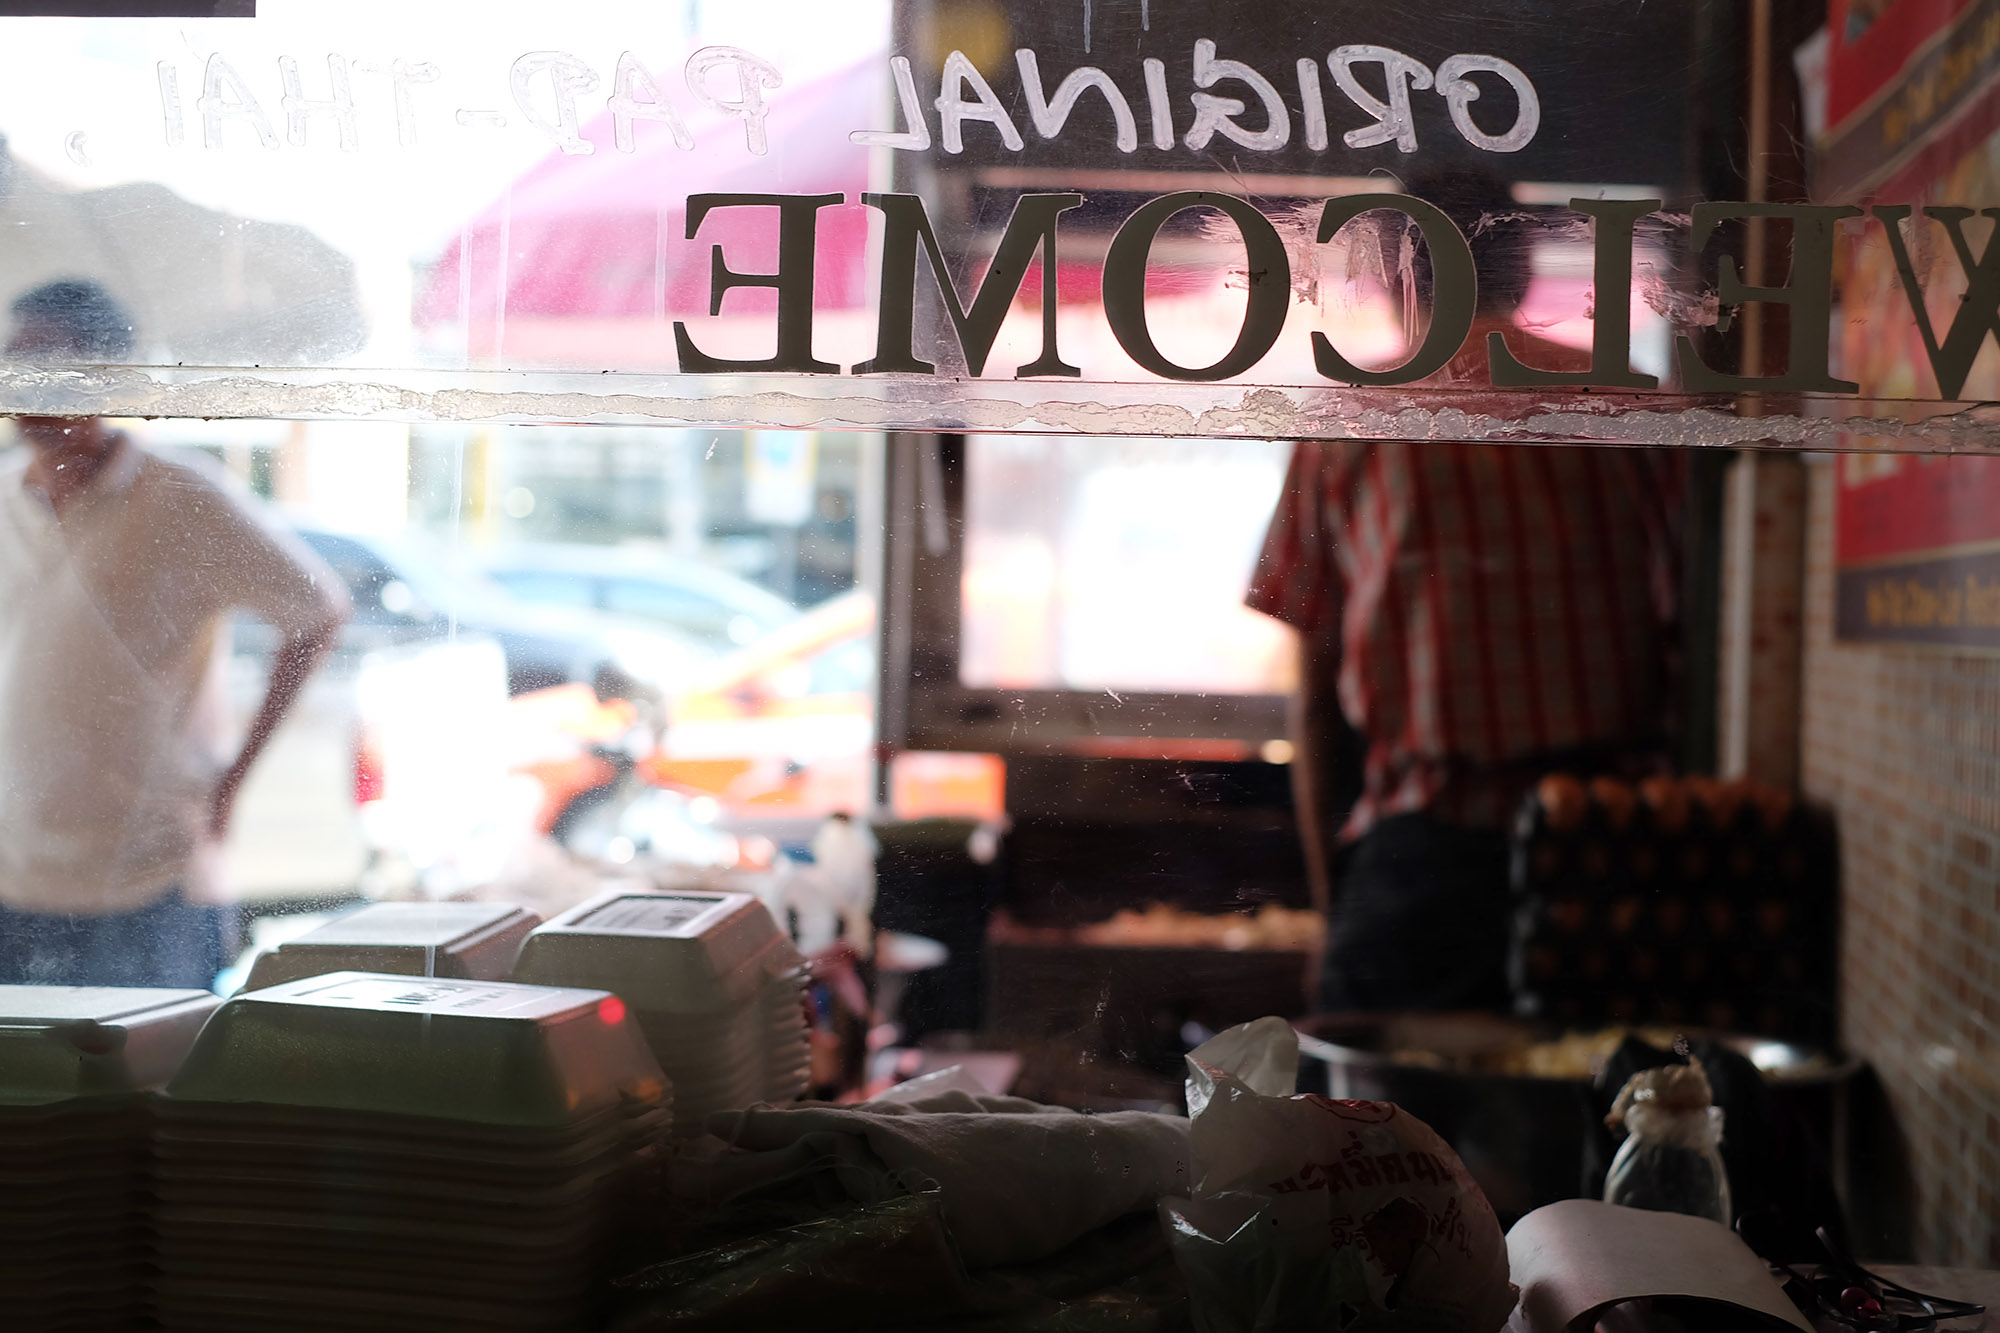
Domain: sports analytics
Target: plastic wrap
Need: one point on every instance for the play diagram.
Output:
(1018, 1181)
(1313, 1213)
(893, 1265)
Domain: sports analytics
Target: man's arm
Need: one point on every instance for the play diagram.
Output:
(1322, 757)
(252, 563)
(296, 657)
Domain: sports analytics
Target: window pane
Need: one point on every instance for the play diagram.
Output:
(1119, 565)
(462, 460)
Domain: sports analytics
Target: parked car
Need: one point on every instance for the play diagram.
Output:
(785, 726)
(698, 603)
(343, 792)
(404, 589)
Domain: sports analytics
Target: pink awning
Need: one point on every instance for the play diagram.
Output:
(603, 235)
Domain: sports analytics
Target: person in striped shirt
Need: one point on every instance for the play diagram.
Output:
(1470, 617)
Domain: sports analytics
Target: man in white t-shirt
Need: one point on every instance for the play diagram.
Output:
(118, 571)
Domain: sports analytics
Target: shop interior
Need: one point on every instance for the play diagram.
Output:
(913, 739)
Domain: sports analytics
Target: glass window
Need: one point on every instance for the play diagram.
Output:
(844, 668)
(1443, 562)
(556, 589)
(1119, 565)
(674, 605)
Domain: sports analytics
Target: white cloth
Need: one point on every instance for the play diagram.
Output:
(1018, 1180)
(113, 721)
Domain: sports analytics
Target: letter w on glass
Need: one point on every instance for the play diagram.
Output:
(1979, 308)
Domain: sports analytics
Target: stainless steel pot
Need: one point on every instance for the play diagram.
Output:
(1522, 1137)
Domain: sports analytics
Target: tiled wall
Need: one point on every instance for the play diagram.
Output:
(1763, 541)
(1905, 745)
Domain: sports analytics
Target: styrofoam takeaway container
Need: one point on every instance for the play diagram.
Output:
(64, 1042)
(487, 1052)
(465, 941)
(77, 1069)
(716, 987)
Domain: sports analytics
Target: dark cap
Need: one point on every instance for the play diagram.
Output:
(72, 317)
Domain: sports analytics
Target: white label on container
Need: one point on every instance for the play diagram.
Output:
(432, 995)
(678, 915)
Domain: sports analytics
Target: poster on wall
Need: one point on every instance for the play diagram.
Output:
(1914, 88)
(1917, 541)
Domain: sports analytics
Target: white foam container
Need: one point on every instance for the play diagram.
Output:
(714, 984)
(365, 1150)
(464, 941)
(478, 1052)
(77, 1066)
(59, 1043)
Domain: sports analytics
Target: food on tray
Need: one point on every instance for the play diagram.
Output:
(1572, 1055)
(1163, 927)
(1580, 1054)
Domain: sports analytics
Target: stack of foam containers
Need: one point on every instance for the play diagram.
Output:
(368, 1151)
(76, 1068)
(467, 941)
(715, 986)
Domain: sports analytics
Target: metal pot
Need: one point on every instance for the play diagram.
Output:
(1521, 1136)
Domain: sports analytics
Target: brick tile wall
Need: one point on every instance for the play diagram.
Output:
(1905, 746)
(1764, 538)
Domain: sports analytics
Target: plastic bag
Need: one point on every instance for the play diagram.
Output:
(1672, 1162)
(1313, 1213)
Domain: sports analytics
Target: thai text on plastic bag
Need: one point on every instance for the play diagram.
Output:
(1308, 1212)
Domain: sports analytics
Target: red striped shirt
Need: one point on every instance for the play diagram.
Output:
(1497, 605)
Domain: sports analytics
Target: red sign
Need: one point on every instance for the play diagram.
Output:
(1898, 506)
(1912, 101)
(1917, 550)
(1910, 88)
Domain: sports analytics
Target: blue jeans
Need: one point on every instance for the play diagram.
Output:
(169, 942)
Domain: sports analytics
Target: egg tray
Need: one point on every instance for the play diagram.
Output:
(1726, 923)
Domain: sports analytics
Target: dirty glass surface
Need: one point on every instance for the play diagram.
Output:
(1154, 218)
(1095, 564)
(1470, 530)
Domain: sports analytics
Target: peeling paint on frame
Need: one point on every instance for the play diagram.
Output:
(924, 403)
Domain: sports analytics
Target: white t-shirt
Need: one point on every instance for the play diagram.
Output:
(113, 724)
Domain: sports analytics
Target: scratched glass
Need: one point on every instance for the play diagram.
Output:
(717, 415)
(1149, 217)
